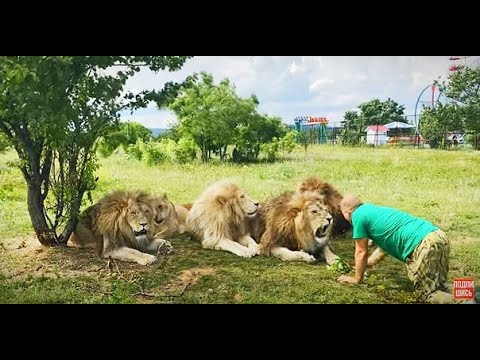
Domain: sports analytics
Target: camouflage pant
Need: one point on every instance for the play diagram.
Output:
(428, 264)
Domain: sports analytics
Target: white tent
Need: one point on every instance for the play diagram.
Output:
(398, 125)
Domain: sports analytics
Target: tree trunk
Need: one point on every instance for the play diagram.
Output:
(37, 215)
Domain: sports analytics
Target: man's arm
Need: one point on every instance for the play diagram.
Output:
(361, 257)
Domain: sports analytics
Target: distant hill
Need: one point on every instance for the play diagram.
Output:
(157, 131)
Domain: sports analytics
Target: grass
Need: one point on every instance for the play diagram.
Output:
(441, 186)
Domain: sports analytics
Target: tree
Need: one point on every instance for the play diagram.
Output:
(254, 131)
(376, 112)
(4, 144)
(125, 134)
(211, 114)
(464, 88)
(52, 110)
(373, 112)
(436, 123)
(351, 128)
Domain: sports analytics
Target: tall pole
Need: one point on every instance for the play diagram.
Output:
(417, 140)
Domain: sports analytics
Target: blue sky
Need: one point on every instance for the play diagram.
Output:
(290, 86)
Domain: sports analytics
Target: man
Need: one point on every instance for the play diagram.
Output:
(421, 245)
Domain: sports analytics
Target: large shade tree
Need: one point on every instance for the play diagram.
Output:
(463, 87)
(53, 109)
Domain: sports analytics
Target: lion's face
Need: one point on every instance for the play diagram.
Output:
(249, 206)
(315, 224)
(162, 209)
(165, 218)
(138, 216)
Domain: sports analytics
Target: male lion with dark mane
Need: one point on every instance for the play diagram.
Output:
(120, 224)
(218, 218)
(294, 227)
(332, 199)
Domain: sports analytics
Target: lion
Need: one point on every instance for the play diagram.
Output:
(169, 219)
(332, 200)
(294, 227)
(218, 218)
(120, 224)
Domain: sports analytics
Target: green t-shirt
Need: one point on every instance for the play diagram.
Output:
(394, 231)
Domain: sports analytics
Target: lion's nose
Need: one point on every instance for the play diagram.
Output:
(143, 224)
(256, 204)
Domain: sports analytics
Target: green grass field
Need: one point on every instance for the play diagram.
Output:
(441, 186)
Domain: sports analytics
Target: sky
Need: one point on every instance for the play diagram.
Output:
(291, 86)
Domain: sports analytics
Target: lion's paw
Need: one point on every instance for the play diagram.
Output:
(147, 259)
(303, 256)
(255, 248)
(248, 253)
(165, 249)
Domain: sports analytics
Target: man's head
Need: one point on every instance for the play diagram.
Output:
(348, 204)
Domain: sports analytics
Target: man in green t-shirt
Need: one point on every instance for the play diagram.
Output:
(422, 246)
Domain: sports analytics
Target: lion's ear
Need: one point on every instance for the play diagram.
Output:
(292, 212)
(165, 196)
(221, 199)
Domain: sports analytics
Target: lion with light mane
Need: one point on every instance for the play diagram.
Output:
(120, 224)
(218, 218)
(294, 227)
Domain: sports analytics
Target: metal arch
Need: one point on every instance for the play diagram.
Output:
(416, 105)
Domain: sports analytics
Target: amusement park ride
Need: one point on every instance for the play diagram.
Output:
(313, 123)
(454, 66)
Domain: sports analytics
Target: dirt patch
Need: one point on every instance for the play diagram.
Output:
(238, 298)
(188, 278)
(25, 256)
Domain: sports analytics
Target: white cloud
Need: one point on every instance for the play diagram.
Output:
(320, 84)
(306, 85)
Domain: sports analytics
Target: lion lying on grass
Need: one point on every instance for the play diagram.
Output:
(219, 219)
(120, 224)
(170, 219)
(332, 199)
(294, 226)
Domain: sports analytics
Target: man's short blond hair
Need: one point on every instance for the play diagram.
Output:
(350, 202)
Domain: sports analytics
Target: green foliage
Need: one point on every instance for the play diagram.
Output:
(376, 112)
(340, 267)
(463, 88)
(214, 116)
(252, 133)
(303, 138)
(4, 143)
(287, 143)
(435, 123)
(125, 134)
(185, 151)
(352, 128)
(53, 109)
(154, 153)
(271, 149)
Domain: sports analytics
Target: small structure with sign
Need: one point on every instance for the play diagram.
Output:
(315, 125)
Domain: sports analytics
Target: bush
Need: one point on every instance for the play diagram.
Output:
(185, 150)
(4, 143)
(153, 154)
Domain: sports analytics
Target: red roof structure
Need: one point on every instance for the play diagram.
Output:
(377, 128)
